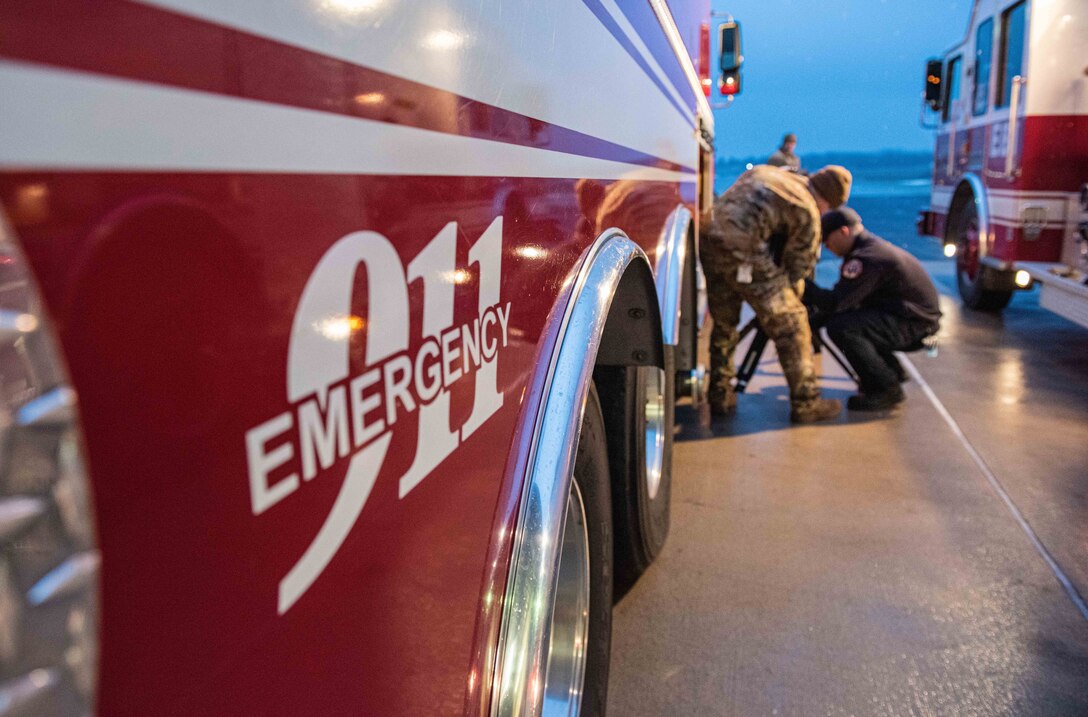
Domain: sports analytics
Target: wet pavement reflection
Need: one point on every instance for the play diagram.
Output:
(869, 567)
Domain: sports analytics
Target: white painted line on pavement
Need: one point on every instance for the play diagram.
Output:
(1066, 583)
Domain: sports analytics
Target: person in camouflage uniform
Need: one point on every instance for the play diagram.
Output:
(784, 156)
(763, 239)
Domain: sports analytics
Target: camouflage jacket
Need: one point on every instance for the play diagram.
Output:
(768, 211)
(781, 158)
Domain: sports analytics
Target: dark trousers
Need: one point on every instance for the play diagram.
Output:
(867, 337)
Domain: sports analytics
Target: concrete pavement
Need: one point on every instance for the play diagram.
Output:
(868, 566)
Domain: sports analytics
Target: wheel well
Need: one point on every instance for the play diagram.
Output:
(632, 332)
(970, 190)
(687, 346)
(960, 198)
(632, 337)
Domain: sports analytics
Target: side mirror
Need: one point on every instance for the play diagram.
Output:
(729, 42)
(934, 87)
(731, 59)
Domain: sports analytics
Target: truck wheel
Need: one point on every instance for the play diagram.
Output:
(971, 275)
(49, 558)
(640, 453)
(581, 630)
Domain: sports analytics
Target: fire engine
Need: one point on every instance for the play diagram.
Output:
(340, 343)
(1009, 196)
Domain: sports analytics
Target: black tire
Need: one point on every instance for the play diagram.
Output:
(640, 520)
(971, 276)
(592, 476)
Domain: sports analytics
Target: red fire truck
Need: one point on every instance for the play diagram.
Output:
(1010, 198)
(340, 342)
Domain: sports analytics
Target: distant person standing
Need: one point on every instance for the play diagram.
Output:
(784, 156)
(760, 242)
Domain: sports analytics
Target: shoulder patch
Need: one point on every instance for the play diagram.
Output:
(852, 269)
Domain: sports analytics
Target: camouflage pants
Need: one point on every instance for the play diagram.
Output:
(780, 312)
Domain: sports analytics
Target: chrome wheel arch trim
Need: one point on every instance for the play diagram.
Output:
(521, 659)
(671, 259)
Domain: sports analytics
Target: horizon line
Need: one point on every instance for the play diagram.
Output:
(920, 152)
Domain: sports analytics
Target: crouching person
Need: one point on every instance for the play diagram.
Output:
(883, 302)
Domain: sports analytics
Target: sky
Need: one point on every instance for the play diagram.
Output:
(844, 75)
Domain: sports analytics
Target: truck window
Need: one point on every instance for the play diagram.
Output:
(951, 86)
(1012, 51)
(984, 52)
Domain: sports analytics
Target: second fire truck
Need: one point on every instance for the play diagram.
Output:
(1009, 198)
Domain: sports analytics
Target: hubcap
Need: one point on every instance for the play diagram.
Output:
(693, 384)
(570, 618)
(654, 413)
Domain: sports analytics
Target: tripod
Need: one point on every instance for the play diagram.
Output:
(759, 343)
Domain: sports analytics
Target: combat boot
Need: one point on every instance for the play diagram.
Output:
(819, 409)
(881, 401)
(723, 404)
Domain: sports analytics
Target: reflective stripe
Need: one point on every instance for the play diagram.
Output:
(552, 60)
(646, 58)
(57, 119)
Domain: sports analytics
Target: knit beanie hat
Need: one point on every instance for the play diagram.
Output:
(833, 184)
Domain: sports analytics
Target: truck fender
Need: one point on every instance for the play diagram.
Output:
(553, 422)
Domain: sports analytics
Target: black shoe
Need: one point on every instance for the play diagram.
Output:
(900, 373)
(895, 365)
(876, 401)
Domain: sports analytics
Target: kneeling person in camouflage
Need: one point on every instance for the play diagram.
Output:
(762, 241)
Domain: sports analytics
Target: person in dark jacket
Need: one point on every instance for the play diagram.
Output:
(883, 302)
